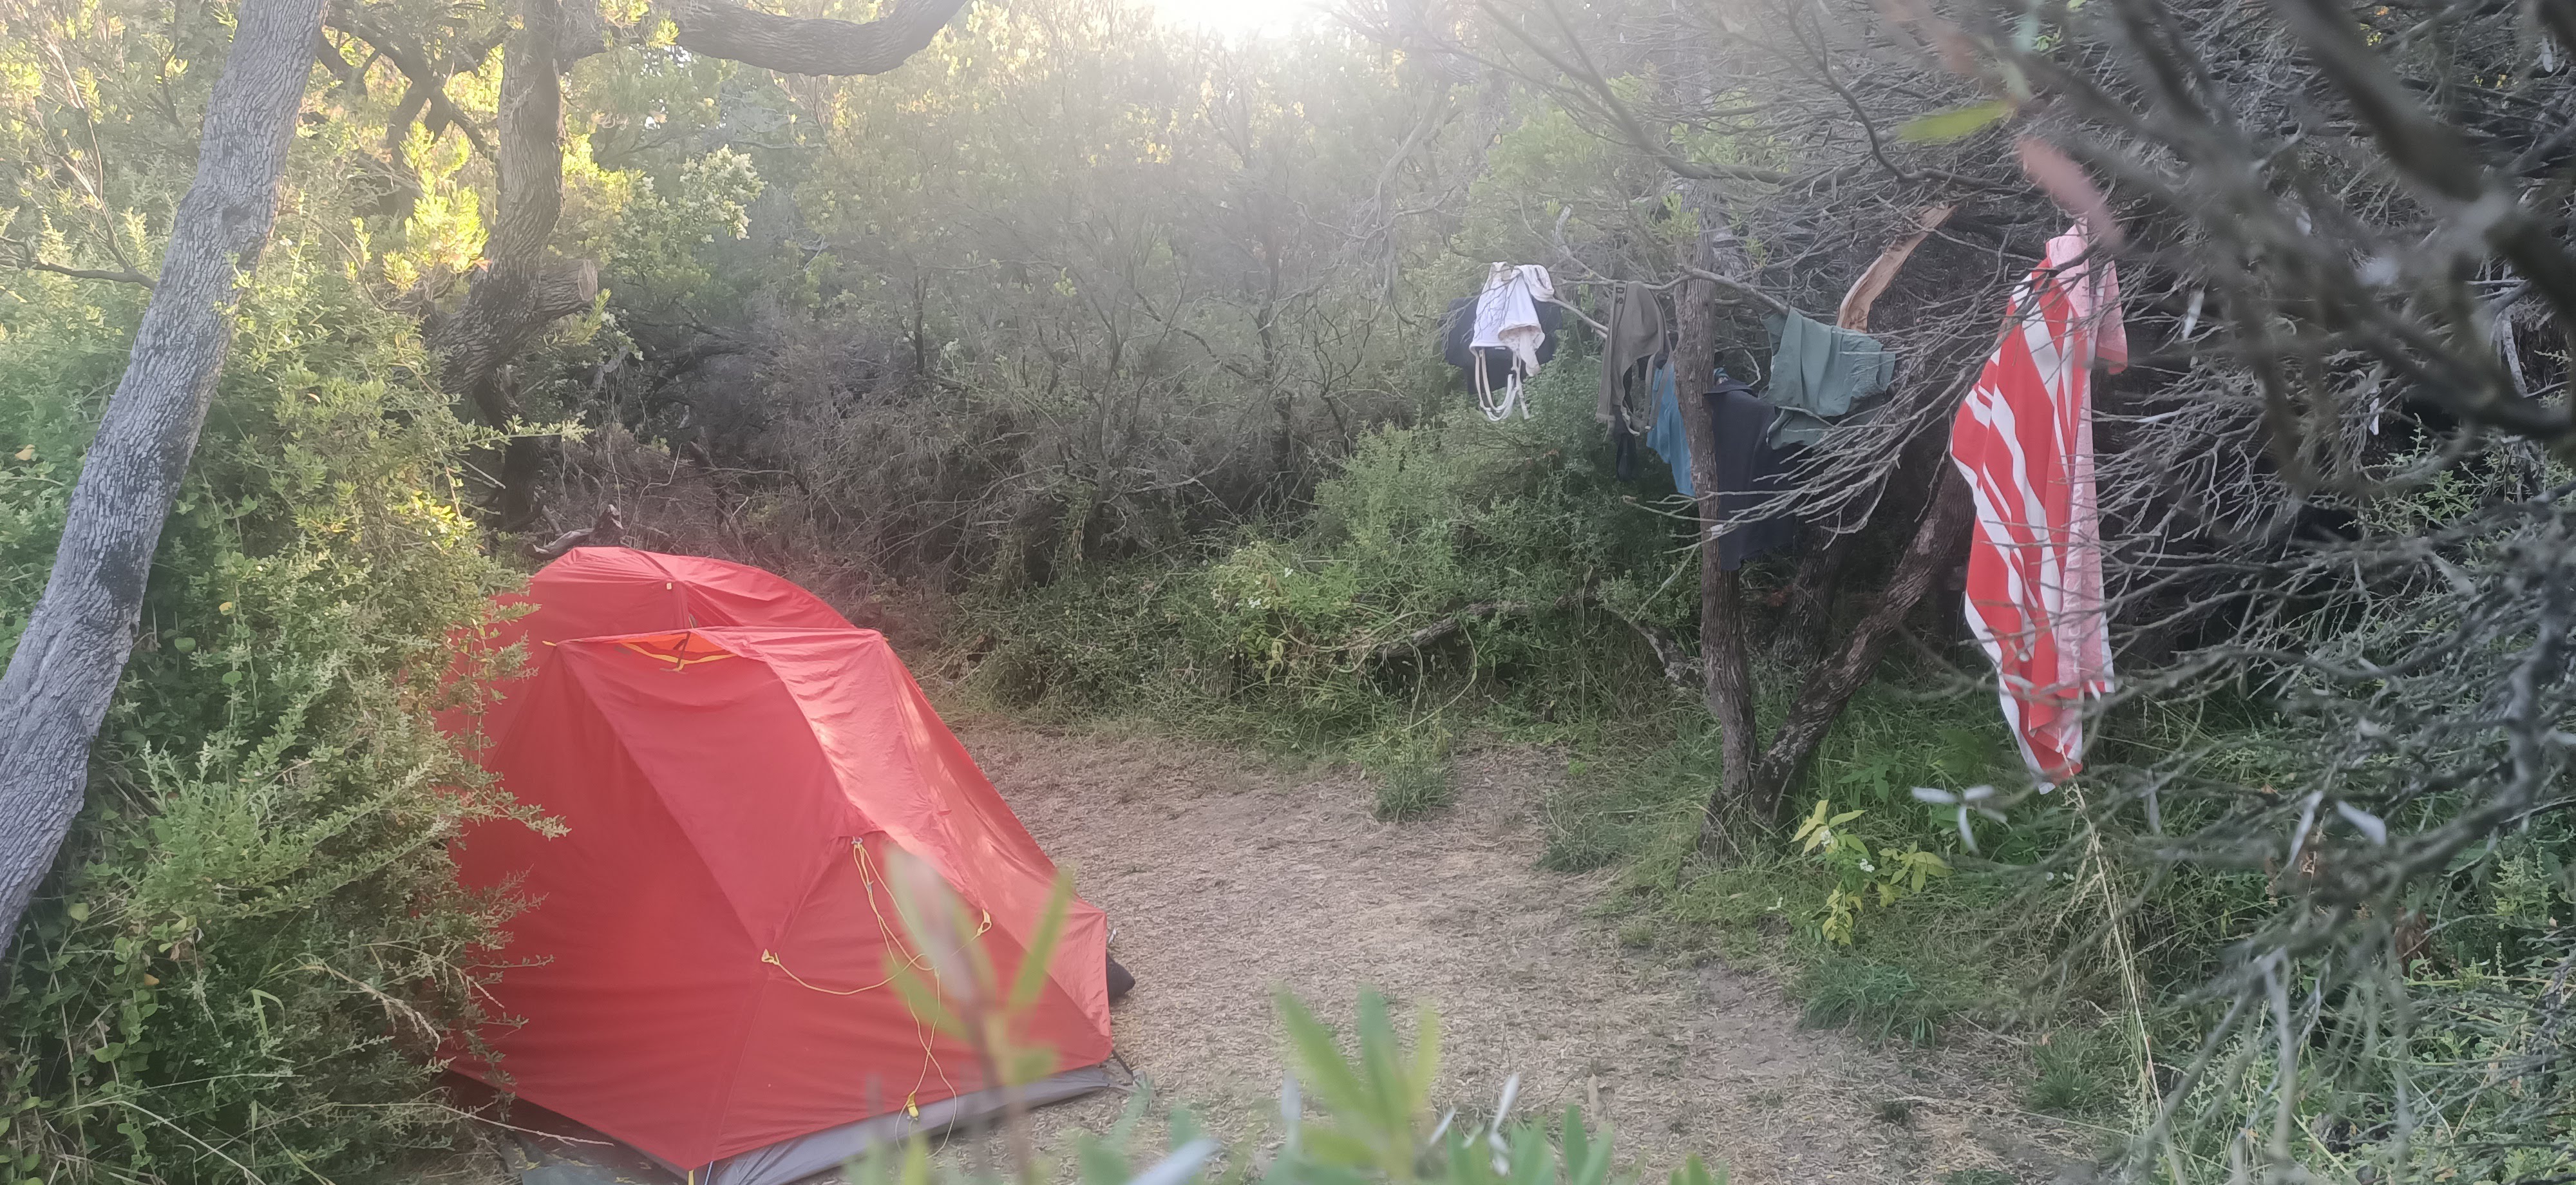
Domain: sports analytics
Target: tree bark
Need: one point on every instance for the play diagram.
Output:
(1726, 675)
(1938, 536)
(66, 665)
(500, 309)
(806, 45)
(518, 289)
(1807, 615)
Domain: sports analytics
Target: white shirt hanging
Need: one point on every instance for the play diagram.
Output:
(1507, 319)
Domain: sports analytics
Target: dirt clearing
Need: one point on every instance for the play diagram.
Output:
(1227, 877)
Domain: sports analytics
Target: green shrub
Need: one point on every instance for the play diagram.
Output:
(252, 943)
(1454, 560)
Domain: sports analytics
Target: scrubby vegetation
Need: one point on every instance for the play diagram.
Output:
(1097, 360)
(255, 941)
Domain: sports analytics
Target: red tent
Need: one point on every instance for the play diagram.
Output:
(703, 975)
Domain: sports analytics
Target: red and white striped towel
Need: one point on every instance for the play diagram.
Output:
(2024, 442)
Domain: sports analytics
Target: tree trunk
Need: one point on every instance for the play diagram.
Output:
(66, 665)
(519, 289)
(1727, 677)
(1726, 674)
(1807, 612)
(1938, 536)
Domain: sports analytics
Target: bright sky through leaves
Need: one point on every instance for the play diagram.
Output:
(1238, 17)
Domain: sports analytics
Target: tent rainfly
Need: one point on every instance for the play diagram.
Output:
(702, 974)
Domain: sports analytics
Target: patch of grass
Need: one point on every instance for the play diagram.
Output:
(1579, 840)
(1634, 800)
(2077, 1072)
(1979, 1177)
(1644, 786)
(1412, 773)
(1881, 1000)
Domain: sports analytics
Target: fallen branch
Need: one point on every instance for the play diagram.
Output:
(128, 276)
(606, 531)
(1450, 625)
(1679, 664)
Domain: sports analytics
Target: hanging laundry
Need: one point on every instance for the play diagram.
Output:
(1507, 318)
(1458, 328)
(1634, 339)
(1750, 474)
(2024, 442)
(1665, 436)
(1632, 345)
(1750, 469)
(1820, 373)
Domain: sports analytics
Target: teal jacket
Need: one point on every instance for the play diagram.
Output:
(1820, 373)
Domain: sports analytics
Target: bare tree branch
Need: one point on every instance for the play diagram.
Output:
(809, 45)
(121, 276)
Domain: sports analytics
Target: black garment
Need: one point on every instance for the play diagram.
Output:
(1458, 327)
(1750, 473)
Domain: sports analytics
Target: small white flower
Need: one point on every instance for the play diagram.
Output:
(1866, 866)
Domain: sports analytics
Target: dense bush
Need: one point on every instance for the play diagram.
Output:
(1450, 566)
(253, 940)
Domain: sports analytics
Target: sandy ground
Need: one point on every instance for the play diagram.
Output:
(1227, 878)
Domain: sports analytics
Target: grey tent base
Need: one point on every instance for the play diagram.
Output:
(555, 1151)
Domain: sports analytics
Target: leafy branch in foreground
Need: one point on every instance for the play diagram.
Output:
(1375, 1127)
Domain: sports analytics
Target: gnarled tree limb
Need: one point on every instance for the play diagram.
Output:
(121, 276)
(608, 530)
(428, 84)
(1938, 539)
(807, 45)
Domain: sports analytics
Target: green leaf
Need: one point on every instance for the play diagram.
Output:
(1319, 1062)
(1573, 1143)
(79, 911)
(1941, 127)
(1100, 1164)
(1426, 1055)
(924, 998)
(1694, 1172)
(1533, 1162)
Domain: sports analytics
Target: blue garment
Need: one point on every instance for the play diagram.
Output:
(1666, 436)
